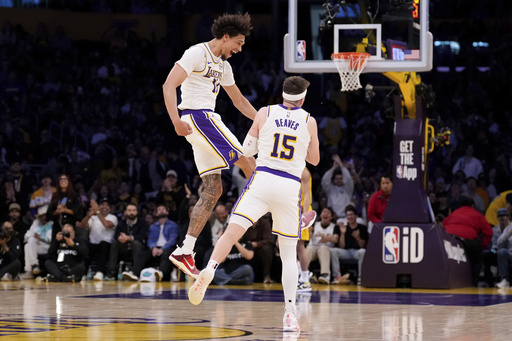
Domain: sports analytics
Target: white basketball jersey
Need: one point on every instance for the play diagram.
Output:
(284, 139)
(206, 73)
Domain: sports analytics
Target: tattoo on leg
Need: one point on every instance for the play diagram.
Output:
(212, 188)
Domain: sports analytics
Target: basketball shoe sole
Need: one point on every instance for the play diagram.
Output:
(198, 289)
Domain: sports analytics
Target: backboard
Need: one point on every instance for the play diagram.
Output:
(316, 29)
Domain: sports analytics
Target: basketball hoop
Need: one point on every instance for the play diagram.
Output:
(350, 65)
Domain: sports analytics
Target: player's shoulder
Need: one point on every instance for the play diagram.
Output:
(311, 119)
(197, 49)
(262, 114)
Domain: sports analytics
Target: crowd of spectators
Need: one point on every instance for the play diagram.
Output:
(94, 112)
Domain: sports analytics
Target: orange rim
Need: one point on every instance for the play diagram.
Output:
(349, 55)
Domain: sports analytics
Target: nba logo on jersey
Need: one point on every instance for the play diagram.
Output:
(391, 246)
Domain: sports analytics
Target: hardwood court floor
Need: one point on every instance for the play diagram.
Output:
(161, 311)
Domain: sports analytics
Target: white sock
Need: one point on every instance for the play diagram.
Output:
(304, 276)
(289, 277)
(212, 264)
(188, 244)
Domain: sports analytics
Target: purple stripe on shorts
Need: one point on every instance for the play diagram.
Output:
(247, 185)
(278, 173)
(215, 137)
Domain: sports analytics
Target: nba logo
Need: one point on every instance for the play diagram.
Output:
(390, 244)
(399, 172)
(301, 50)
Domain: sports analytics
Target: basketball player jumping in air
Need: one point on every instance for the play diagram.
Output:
(201, 71)
(284, 136)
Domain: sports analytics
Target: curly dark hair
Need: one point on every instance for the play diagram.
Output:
(232, 24)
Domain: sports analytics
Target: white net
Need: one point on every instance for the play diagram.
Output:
(350, 65)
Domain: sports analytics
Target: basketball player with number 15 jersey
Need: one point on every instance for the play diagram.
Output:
(284, 136)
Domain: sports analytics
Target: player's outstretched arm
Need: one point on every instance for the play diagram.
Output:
(240, 102)
(313, 156)
(174, 79)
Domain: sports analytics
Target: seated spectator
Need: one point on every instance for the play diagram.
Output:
(66, 256)
(162, 240)
(18, 224)
(138, 198)
(469, 164)
(102, 225)
(10, 264)
(351, 245)
(101, 191)
(481, 189)
(22, 186)
(82, 194)
(37, 242)
(43, 195)
(326, 235)
(123, 198)
(171, 194)
(110, 171)
(440, 185)
(503, 200)
(148, 171)
(454, 197)
(65, 206)
(490, 255)
(379, 200)
(7, 197)
(218, 222)
(263, 243)
(235, 269)
(473, 230)
(441, 208)
(149, 219)
(130, 239)
(504, 257)
(470, 192)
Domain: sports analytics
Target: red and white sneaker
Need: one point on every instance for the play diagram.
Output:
(185, 262)
(290, 323)
(308, 219)
(198, 289)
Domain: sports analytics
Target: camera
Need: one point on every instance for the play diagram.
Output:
(66, 234)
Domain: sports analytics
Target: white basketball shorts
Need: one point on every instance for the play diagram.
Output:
(271, 191)
(214, 145)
